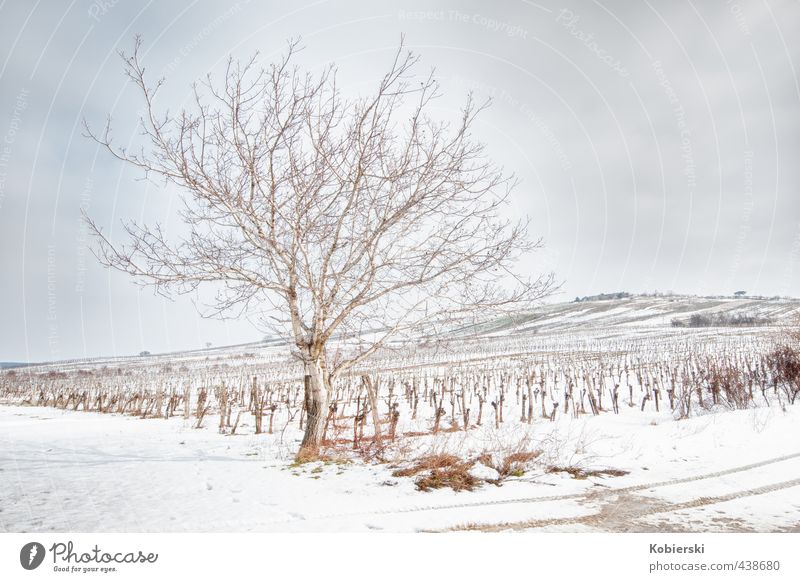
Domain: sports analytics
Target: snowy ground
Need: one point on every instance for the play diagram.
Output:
(68, 471)
(719, 470)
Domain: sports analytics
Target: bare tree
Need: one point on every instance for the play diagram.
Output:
(350, 221)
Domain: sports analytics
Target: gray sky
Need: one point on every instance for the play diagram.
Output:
(657, 142)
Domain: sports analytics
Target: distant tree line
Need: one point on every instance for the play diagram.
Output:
(722, 320)
(603, 297)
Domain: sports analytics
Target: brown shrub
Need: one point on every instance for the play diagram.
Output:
(513, 465)
(784, 362)
(430, 463)
(440, 470)
(456, 478)
(728, 386)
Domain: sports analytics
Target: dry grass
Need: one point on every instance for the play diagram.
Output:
(440, 470)
(578, 473)
(307, 455)
(457, 478)
(310, 455)
(510, 465)
(429, 463)
(514, 465)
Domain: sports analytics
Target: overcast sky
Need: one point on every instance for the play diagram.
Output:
(657, 143)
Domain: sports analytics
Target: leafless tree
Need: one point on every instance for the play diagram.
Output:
(350, 221)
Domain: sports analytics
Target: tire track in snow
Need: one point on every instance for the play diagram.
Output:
(588, 496)
(621, 515)
(722, 473)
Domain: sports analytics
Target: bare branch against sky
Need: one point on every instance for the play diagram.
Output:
(654, 145)
(348, 222)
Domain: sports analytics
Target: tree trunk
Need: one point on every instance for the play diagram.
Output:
(316, 403)
(373, 404)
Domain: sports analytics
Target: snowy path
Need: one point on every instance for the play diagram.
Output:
(65, 471)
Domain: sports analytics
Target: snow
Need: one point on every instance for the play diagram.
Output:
(482, 472)
(720, 470)
(73, 471)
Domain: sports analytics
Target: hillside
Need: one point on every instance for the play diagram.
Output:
(648, 312)
(634, 315)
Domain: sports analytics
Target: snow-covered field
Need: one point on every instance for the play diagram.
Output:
(732, 463)
(70, 471)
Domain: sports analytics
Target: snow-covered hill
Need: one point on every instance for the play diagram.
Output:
(650, 311)
(635, 315)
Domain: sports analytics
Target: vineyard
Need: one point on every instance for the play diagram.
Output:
(497, 381)
(488, 408)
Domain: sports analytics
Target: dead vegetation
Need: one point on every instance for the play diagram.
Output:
(429, 463)
(456, 477)
(784, 362)
(515, 464)
(579, 473)
(439, 471)
(509, 465)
